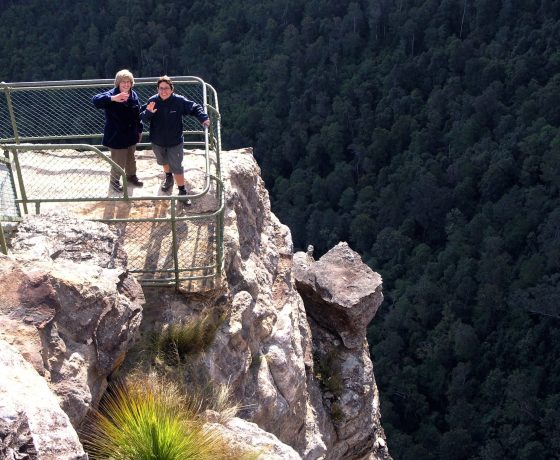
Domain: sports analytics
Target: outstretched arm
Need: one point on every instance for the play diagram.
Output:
(192, 108)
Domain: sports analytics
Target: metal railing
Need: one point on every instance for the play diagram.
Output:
(50, 134)
(9, 211)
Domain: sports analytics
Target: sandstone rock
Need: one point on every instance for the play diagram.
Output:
(70, 307)
(340, 292)
(32, 424)
(263, 349)
(56, 235)
(341, 296)
(247, 436)
(74, 311)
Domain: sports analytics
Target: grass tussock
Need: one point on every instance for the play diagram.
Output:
(217, 398)
(148, 418)
(176, 342)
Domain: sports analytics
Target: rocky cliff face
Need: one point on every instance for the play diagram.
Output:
(298, 362)
(301, 369)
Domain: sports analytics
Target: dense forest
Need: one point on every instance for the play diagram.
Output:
(424, 133)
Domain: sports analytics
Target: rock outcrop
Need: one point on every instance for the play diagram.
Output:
(341, 296)
(267, 350)
(264, 347)
(32, 424)
(70, 307)
(340, 292)
(249, 437)
(297, 362)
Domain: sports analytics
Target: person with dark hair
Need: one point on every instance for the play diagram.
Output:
(123, 127)
(165, 111)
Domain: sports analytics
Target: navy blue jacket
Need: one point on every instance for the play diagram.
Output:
(166, 124)
(122, 119)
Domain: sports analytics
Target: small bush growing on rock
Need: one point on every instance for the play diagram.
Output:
(337, 414)
(328, 372)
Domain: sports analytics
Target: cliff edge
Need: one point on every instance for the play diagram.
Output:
(291, 343)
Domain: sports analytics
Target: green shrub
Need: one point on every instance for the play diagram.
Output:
(337, 414)
(328, 371)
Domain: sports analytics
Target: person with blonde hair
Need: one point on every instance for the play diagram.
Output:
(165, 111)
(123, 127)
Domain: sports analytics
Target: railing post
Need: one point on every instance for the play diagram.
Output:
(174, 240)
(220, 238)
(20, 181)
(3, 245)
(11, 111)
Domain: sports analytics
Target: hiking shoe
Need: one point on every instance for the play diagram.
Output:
(167, 183)
(116, 186)
(135, 181)
(185, 201)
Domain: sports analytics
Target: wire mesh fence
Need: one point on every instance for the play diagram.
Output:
(161, 251)
(64, 174)
(61, 110)
(166, 242)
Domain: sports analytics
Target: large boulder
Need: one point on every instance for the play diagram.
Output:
(32, 424)
(340, 292)
(69, 305)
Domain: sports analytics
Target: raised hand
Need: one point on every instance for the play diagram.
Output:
(151, 107)
(121, 97)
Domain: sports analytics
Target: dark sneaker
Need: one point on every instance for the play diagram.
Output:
(185, 201)
(116, 186)
(135, 181)
(167, 183)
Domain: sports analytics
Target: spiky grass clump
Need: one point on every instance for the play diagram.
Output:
(149, 419)
(216, 398)
(177, 341)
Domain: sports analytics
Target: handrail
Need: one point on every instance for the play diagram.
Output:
(98, 81)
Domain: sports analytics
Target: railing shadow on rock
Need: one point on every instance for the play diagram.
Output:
(50, 134)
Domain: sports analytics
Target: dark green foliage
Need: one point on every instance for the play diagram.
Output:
(425, 133)
(328, 371)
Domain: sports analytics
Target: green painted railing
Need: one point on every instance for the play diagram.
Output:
(50, 134)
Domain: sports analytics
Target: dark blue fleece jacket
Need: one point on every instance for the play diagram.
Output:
(122, 119)
(166, 124)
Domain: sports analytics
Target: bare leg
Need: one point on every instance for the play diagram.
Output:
(179, 179)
